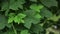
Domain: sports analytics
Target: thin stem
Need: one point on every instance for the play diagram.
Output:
(14, 29)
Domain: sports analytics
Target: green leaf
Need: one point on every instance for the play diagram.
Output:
(24, 32)
(20, 1)
(34, 0)
(3, 21)
(11, 17)
(38, 16)
(36, 7)
(30, 13)
(50, 29)
(10, 32)
(31, 17)
(19, 18)
(37, 29)
(11, 14)
(22, 21)
(13, 6)
(49, 3)
(9, 25)
(10, 20)
(28, 23)
(4, 6)
(16, 4)
(54, 18)
(46, 13)
(21, 15)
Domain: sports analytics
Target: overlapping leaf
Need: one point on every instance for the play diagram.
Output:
(13, 4)
(49, 3)
(32, 17)
(16, 18)
(46, 13)
(19, 18)
(36, 7)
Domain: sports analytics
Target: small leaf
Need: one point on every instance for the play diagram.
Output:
(19, 18)
(22, 21)
(24, 32)
(36, 7)
(21, 15)
(10, 20)
(11, 17)
(38, 16)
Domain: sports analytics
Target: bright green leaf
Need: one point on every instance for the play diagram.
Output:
(10, 20)
(11, 17)
(19, 18)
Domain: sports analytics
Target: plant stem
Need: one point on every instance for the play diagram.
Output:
(14, 29)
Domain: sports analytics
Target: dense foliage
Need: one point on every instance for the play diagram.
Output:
(29, 17)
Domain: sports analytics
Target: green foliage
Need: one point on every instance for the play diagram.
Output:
(24, 32)
(36, 7)
(16, 18)
(19, 18)
(34, 18)
(3, 21)
(49, 3)
(34, 0)
(44, 14)
(29, 16)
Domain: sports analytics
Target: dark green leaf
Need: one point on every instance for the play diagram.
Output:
(49, 3)
(31, 18)
(37, 29)
(34, 0)
(3, 21)
(46, 13)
